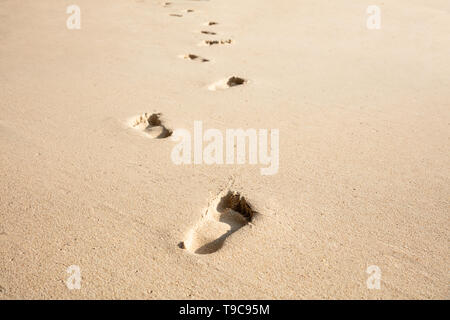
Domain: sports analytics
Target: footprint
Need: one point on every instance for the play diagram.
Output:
(227, 83)
(228, 213)
(175, 15)
(209, 42)
(193, 57)
(213, 42)
(188, 10)
(151, 125)
(208, 32)
(210, 23)
(167, 4)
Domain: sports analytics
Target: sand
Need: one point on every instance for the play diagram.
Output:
(364, 126)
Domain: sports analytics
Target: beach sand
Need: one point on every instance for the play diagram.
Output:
(364, 126)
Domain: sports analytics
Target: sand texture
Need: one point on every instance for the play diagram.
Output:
(88, 119)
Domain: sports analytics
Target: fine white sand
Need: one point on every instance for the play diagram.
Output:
(364, 126)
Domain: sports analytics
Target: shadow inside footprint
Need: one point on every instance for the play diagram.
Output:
(235, 81)
(231, 214)
(208, 32)
(194, 57)
(227, 83)
(215, 245)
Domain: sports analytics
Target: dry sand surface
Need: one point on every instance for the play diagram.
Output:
(364, 126)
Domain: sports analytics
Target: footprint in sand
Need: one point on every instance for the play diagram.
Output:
(210, 23)
(208, 32)
(215, 42)
(193, 57)
(228, 213)
(151, 125)
(227, 83)
(176, 15)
